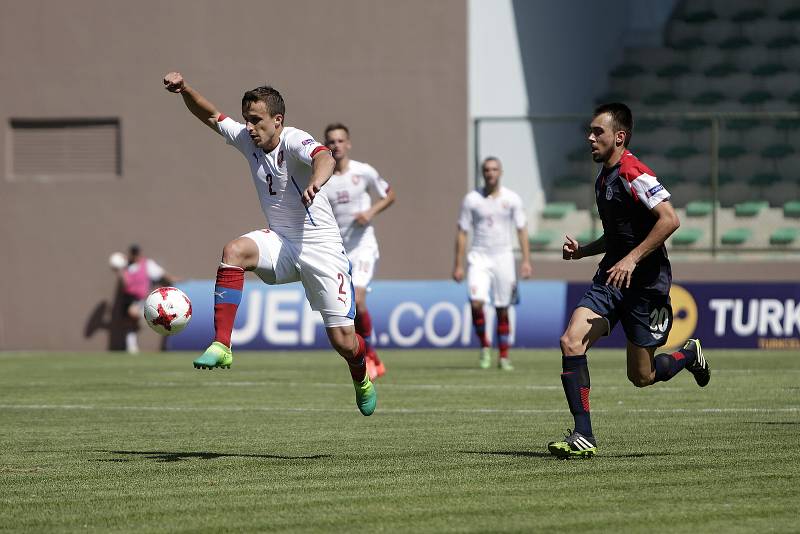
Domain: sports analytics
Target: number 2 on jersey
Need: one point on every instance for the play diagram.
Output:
(269, 184)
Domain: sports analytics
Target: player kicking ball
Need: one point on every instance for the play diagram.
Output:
(303, 243)
(632, 283)
(348, 191)
(492, 214)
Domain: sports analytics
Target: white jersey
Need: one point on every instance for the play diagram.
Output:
(280, 178)
(349, 195)
(492, 219)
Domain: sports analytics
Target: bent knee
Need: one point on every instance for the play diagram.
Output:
(571, 345)
(641, 381)
(239, 252)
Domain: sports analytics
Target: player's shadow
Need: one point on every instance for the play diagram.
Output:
(771, 422)
(538, 454)
(174, 456)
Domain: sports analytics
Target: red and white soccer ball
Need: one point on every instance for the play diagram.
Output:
(167, 310)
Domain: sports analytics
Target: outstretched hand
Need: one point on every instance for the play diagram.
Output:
(173, 82)
(309, 194)
(570, 250)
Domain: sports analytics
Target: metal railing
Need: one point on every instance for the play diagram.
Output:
(715, 120)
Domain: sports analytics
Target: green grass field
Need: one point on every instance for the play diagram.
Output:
(104, 442)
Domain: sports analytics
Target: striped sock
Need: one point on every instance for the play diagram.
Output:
(227, 296)
(479, 322)
(503, 330)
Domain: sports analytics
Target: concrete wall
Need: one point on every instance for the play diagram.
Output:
(395, 72)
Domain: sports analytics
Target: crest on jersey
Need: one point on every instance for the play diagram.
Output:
(280, 158)
(356, 178)
(609, 193)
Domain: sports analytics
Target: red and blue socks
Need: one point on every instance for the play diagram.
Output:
(669, 365)
(227, 296)
(503, 330)
(575, 379)
(358, 362)
(479, 322)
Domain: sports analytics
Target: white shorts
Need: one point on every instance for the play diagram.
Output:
(323, 269)
(363, 258)
(492, 278)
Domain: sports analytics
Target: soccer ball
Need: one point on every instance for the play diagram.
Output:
(167, 310)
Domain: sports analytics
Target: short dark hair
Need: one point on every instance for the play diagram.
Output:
(336, 126)
(134, 250)
(621, 118)
(490, 158)
(269, 95)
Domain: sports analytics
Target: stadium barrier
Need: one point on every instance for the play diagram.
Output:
(436, 314)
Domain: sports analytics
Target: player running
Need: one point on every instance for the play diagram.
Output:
(303, 244)
(348, 192)
(632, 282)
(490, 214)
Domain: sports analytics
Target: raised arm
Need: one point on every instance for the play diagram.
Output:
(365, 217)
(322, 167)
(195, 102)
(572, 250)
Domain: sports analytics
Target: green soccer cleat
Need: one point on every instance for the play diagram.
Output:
(216, 355)
(575, 445)
(485, 358)
(505, 364)
(366, 396)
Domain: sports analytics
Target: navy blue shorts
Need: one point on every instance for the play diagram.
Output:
(646, 316)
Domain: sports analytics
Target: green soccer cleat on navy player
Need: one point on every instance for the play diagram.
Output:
(575, 445)
(216, 355)
(699, 367)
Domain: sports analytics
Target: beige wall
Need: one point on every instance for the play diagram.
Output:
(395, 72)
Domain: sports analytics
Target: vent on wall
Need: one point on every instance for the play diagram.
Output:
(43, 149)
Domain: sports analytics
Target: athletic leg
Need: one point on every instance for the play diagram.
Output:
(503, 330)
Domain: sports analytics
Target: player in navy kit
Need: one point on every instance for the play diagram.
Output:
(632, 283)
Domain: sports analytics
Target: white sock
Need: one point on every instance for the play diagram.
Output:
(131, 343)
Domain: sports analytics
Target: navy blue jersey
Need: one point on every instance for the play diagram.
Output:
(625, 195)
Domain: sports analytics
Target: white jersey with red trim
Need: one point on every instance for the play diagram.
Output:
(280, 178)
(349, 195)
(492, 219)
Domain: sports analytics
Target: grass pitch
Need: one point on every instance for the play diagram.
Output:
(104, 442)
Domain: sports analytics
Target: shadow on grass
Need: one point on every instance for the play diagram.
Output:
(537, 454)
(168, 456)
(771, 422)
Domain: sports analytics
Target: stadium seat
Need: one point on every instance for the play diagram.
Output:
(708, 98)
(700, 16)
(721, 70)
(699, 208)
(777, 151)
(748, 15)
(768, 70)
(791, 209)
(756, 98)
(557, 210)
(688, 44)
(737, 236)
(764, 179)
(686, 236)
(587, 236)
(784, 236)
(569, 181)
(672, 71)
(627, 71)
(542, 238)
(749, 209)
(790, 15)
(735, 42)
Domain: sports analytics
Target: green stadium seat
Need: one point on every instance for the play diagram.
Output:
(750, 208)
(673, 71)
(708, 98)
(587, 236)
(699, 208)
(748, 15)
(659, 98)
(557, 210)
(721, 70)
(688, 44)
(764, 179)
(777, 151)
(783, 42)
(755, 98)
(787, 125)
(737, 236)
(741, 125)
(735, 43)
(542, 238)
(681, 152)
(649, 125)
(570, 181)
(784, 236)
(579, 154)
(794, 98)
(669, 179)
(700, 16)
(731, 151)
(768, 69)
(627, 70)
(686, 236)
(694, 125)
(613, 96)
(791, 209)
(790, 15)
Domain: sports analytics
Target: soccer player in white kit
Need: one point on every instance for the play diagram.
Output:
(492, 214)
(302, 242)
(348, 191)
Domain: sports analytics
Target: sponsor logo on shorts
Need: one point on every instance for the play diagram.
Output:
(653, 190)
